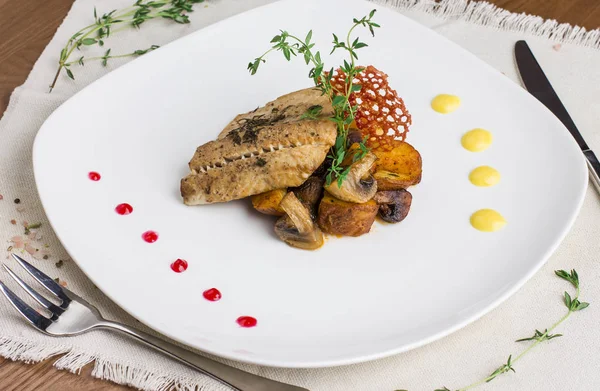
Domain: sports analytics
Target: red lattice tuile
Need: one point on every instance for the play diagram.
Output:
(381, 114)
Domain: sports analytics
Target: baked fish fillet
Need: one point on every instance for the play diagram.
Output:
(269, 148)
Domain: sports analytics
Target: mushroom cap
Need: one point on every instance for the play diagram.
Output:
(297, 228)
(359, 185)
(394, 205)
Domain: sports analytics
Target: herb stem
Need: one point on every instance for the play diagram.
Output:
(60, 67)
(86, 35)
(343, 112)
(350, 82)
(539, 338)
(62, 62)
(134, 15)
(102, 58)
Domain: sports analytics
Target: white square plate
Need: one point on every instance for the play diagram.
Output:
(356, 299)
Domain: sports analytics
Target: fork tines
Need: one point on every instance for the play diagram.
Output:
(33, 316)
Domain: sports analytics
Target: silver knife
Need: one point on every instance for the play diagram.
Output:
(538, 85)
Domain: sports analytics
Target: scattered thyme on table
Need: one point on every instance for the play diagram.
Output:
(105, 25)
(573, 305)
(291, 45)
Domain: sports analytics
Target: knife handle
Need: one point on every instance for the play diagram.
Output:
(594, 168)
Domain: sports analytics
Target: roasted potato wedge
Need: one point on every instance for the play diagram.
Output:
(398, 167)
(339, 217)
(268, 203)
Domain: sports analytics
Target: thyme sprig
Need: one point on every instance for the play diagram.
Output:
(116, 20)
(313, 112)
(573, 304)
(343, 112)
(539, 336)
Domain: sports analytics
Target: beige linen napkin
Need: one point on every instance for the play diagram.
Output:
(567, 363)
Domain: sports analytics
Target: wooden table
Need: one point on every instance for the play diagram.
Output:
(22, 39)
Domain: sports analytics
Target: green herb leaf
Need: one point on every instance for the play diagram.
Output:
(70, 74)
(338, 100)
(307, 57)
(572, 277)
(308, 37)
(539, 336)
(313, 112)
(582, 306)
(88, 41)
(568, 300)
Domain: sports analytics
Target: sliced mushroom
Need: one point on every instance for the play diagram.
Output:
(394, 205)
(297, 228)
(310, 193)
(359, 186)
(321, 172)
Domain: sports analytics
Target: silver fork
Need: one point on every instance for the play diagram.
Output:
(74, 316)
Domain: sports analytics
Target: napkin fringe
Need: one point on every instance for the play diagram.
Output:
(104, 369)
(485, 14)
(146, 380)
(28, 352)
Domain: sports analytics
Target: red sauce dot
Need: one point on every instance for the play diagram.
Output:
(247, 321)
(180, 265)
(212, 294)
(150, 236)
(124, 209)
(93, 175)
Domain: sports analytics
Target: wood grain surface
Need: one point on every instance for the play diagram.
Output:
(26, 26)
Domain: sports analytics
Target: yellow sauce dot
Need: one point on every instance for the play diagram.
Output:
(487, 220)
(476, 140)
(445, 103)
(484, 176)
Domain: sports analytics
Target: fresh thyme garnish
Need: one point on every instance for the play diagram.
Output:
(362, 152)
(313, 112)
(104, 25)
(290, 45)
(573, 305)
(539, 336)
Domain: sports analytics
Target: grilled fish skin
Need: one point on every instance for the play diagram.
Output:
(269, 148)
(286, 108)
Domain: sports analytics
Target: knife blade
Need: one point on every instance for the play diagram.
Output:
(539, 86)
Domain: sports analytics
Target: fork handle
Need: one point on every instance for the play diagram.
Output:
(236, 378)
